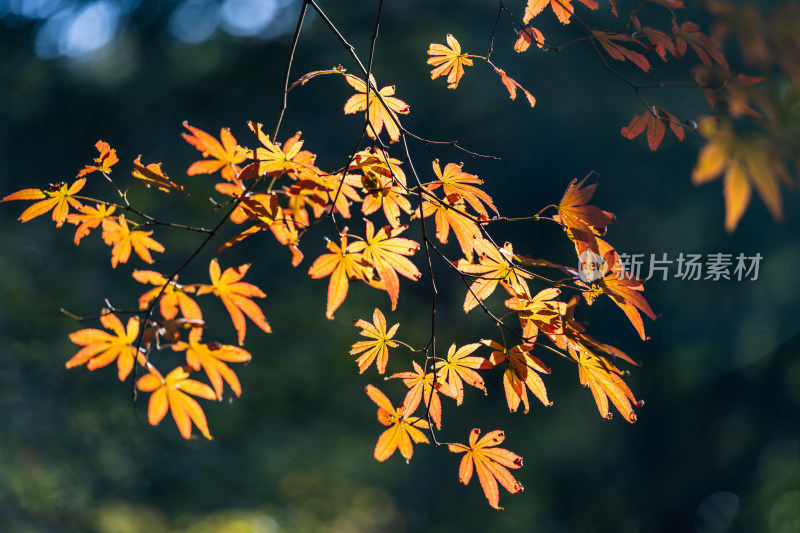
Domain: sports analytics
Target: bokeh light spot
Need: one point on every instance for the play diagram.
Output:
(194, 21)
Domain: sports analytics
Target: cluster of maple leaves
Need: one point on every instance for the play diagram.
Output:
(456, 202)
(278, 188)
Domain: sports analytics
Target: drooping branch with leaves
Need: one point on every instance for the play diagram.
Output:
(389, 220)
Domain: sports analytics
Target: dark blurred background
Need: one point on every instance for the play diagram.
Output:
(715, 448)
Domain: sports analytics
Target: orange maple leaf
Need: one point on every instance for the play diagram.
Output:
(604, 380)
(379, 115)
(381, 191)
(173, 297)
(153, 175)
(422, 388)
(580, 220)
(494, 266)
(378, 163)
(57, 197)
(101, 348)
(656, 121)
(123, 240)
(342, 263)
(746, 164)
(449, 213)
(512, 86)
(562, 8)
(236, 296)
(172, 394)
(386, 252)
(459, 368)
(404, 429)
(89, 218)
(226, 155)
(378, 348)
(453, 181)
(212, 357)
(491, 463)
(706, 47)
(272, 158)
(610, 42)
(527, 35)
(520, 374)
(539, 312)
(626, 294)
(448, 60)
(106, 159)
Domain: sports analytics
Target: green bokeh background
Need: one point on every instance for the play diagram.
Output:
(716, 447)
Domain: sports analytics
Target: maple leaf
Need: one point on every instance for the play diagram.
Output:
(746, 163)
(377, 163)
(449, 213)
(225, 155)
(89, 219)
(382, 192)
(453, 181)
(494, 266)
(604, 380)
(172, 393)
(491, 464)
(101, 348)
(527, 35)
(459, 368)
(272, 159)
(379, 114)
(386, 253)
(342, 263)
(320, 191)
(512, 86)
(106, 159)
(625, 293)
(655, 120)
(404, 429)
(57, 197)
(539, 312)
(660, 41)
(575, 334)
(173, 297)
(448, 60)
(422, 387)
(707, 48)
(583, 221)
(235, 295)
(610, 42)
(152, 174)
(116, 233)
(562, 8)
(378, 348)
(211, 357)
(520, 374)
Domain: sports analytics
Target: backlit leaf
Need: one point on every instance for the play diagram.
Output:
(403, 430)
(236, 296)
(378, 347)
(491, 464)
(448, 60)
(101, 348)
(172, 393)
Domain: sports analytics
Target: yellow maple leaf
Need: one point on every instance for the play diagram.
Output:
(448, 60)
(380, 113)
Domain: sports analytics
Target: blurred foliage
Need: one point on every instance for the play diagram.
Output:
(716, 448)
